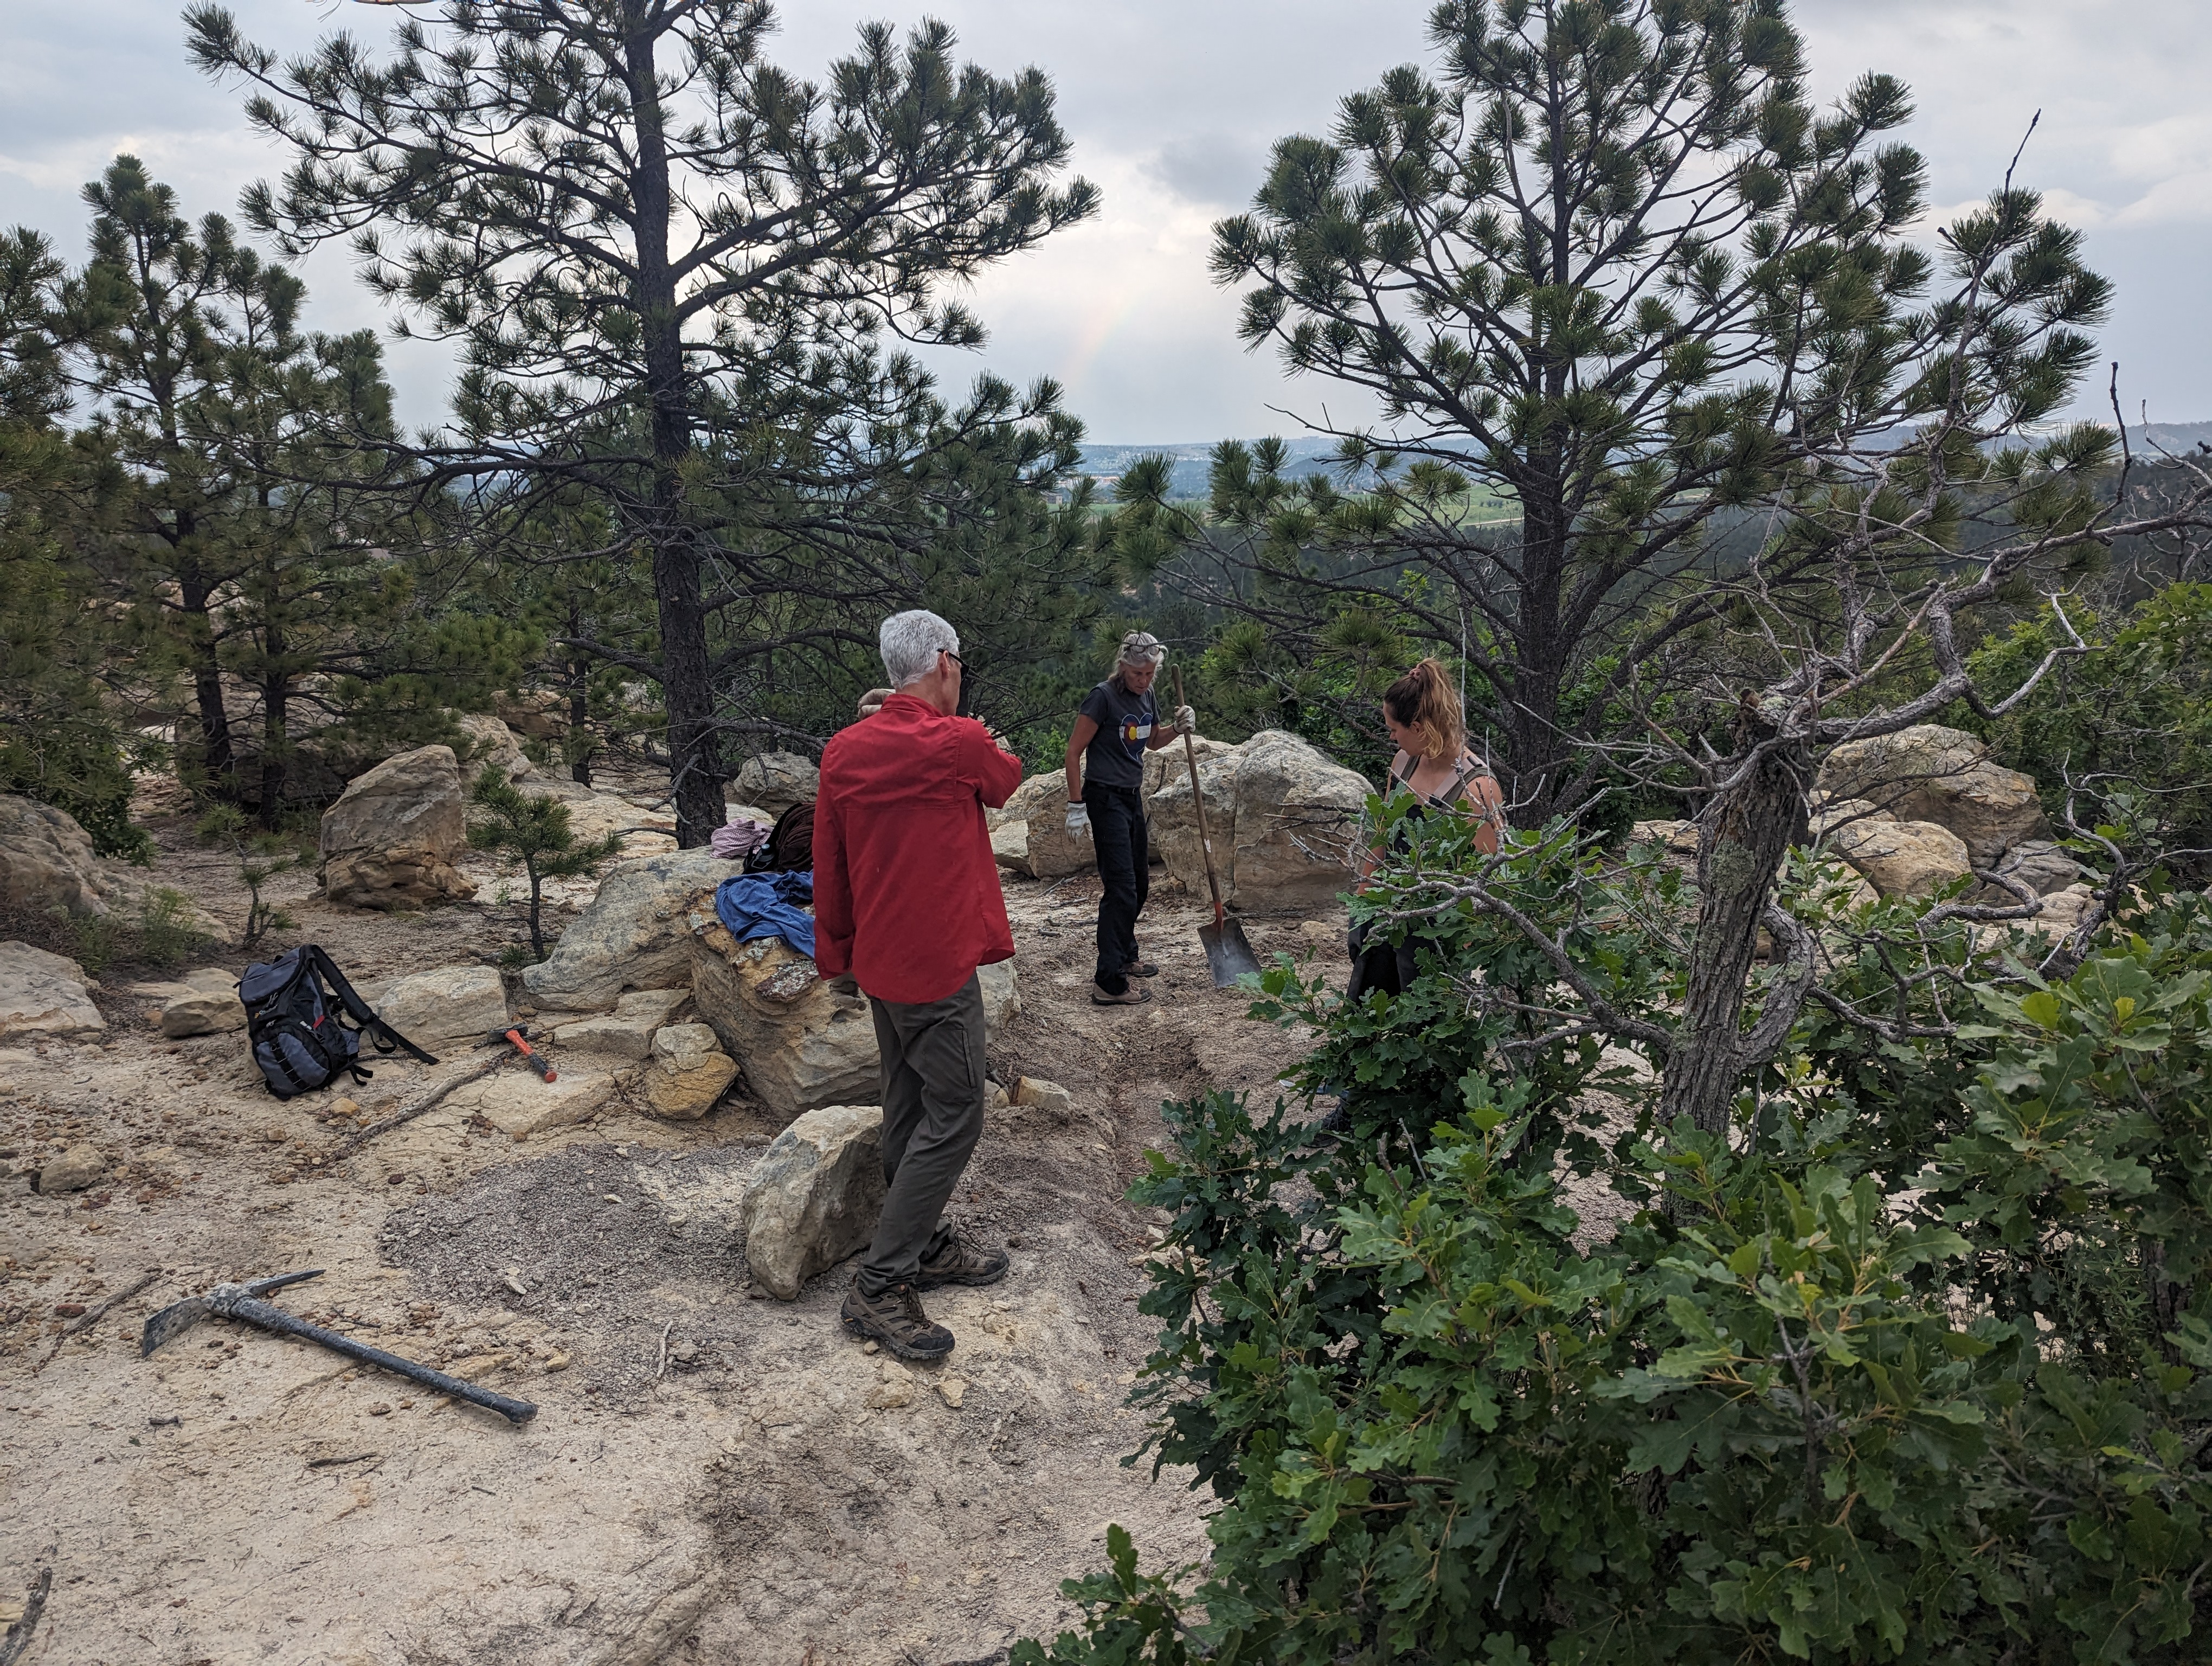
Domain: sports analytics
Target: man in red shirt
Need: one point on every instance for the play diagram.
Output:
(907, 900)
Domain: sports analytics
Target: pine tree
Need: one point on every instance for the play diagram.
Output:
(668, 261)
(534, 830)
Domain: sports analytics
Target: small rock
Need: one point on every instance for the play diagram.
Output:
(690, 1071)
(379, 1409)
(1040, 1095)
(995, 1097)
(203, 1003)
(80, 1166)
(871, 1346)
(69, 1309)
(951, 1390)
(558, 1362)
(887, 1396)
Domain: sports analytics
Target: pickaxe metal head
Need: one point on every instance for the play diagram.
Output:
(174, 1320)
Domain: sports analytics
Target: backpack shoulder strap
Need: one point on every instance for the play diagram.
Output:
(359, 1010)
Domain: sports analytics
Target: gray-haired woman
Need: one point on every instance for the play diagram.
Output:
(1116, 725)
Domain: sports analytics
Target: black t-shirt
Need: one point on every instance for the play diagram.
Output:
(1116, 756)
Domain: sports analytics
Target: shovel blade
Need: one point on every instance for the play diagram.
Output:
(1228, 956)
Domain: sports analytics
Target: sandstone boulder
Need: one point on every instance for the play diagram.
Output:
(814, 1197)
(489, 740)
(2039, 864)
(633, 936)
(801, 1043)
(539, 714)
(202, 1003)
(1040, 804)
(594, 815)
(1677, 838)
(47, 864)
(1009, 846)
(446, 1004)
(775, 782)
(43, 995)
(45, 860)
(1901, 858)
(389, 842)
(1284, 822)
(688, 1073)
(1038, 1094)
(1929, 772)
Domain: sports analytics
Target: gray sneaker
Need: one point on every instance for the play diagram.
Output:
(1132, 996)
(896, 1320)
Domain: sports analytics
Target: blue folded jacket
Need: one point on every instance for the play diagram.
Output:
(768, 905)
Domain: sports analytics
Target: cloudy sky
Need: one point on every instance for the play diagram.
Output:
(1172, 106)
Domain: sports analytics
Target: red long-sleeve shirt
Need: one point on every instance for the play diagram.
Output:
(906, 889)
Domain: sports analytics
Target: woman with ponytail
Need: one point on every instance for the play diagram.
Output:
(1434, 766)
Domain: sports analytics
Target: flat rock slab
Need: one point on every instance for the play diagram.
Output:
(633, 936)
(520, 1102)
(43, 995)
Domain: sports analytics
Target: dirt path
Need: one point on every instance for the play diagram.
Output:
(710, 1477)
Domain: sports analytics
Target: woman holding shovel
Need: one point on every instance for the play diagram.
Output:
(1116, 725)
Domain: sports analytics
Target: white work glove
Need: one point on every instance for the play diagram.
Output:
(872, 701)
(1078, 819)
(1185, 720)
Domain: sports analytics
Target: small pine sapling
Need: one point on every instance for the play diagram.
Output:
(534, 830)
(261, 858)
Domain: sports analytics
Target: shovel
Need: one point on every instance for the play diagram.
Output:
(1228, 956)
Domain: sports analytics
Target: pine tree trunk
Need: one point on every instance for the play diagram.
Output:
(536, 931)
(687, 690)
(1742, 835)
(276, 770)
(217, 760)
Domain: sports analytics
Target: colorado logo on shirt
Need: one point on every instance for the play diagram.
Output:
(1134, 734)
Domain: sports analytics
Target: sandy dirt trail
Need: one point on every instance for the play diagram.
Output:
(712, 1476)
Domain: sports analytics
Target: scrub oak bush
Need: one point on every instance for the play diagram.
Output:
(1462, 1392)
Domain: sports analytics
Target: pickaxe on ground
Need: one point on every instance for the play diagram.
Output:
(521, 1037)
(243, 1301)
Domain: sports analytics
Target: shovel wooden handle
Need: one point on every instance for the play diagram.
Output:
(1198, 798)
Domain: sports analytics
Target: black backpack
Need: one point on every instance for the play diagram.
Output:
(790, 846)
(298, 1029)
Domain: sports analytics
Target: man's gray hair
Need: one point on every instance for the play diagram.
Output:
(911, 642)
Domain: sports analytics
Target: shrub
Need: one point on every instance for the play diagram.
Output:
(1837, 1406)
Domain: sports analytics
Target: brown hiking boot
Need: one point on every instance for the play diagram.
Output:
(896, 1320)
(957, 1261)
(1141, 969)
(1131, 996)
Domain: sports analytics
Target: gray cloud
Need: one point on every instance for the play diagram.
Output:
(1173, 109)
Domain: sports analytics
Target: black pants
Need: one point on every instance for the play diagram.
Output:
(1125, 864)
(932, 1078)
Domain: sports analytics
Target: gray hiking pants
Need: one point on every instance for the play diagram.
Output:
(933, 1064)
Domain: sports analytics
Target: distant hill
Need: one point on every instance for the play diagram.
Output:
(1310, 454)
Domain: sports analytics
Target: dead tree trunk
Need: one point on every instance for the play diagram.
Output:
(1742, 834)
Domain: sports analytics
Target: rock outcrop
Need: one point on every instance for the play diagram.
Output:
(633, 936)
(775, 782)
(1283, 821)
(42, 995)
(1929, 772)
(47, 865)
(491, 741)
(814, 1197)
(627, 1033)
(389, 842)
(801, 1042)
(1039, 807)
